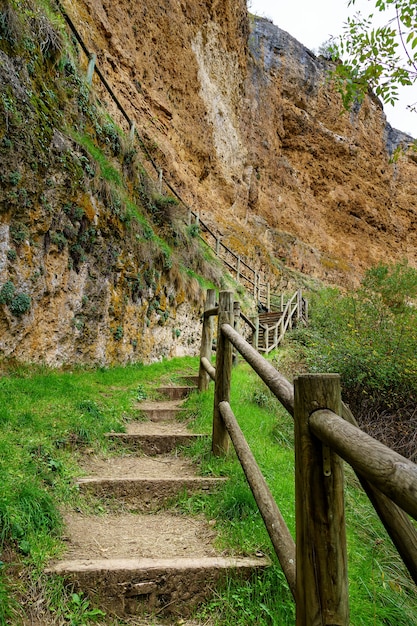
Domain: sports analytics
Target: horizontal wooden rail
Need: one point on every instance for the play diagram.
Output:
(208, 367)
(391, 473)
(277, 383)
(211, 312)
(277, 529)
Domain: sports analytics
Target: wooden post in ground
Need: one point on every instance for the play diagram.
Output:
(206, 340)
(299, 305)
(268, 296)
(221, 440)
(322, 584)
(238, 269)
(236, 320)
(217, 246)
(255, 338)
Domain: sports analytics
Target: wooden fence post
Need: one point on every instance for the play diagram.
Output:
(238, 269)
(255, 337)
(206, 340)
(91, 65)
(299, 305)
(268, 296)
(236, 320)
(217, 246)
(221, 440)
(321, 557)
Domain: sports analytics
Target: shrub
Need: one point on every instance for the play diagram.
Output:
(19, 233)
(163, 209)
(20, 304)
(7, 292)
(370, 338)
(118, 333)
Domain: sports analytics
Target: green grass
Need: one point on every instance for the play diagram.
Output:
(380, 589)
(47, 418)
(107, 171)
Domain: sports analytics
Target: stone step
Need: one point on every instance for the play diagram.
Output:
(161, 585)
(147, 494)
(155, 437)
(144, 483)
(159, 411)
(176, 392)
(191, 380)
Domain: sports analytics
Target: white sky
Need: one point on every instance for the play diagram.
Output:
(313, 22)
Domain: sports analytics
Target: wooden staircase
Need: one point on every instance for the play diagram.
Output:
(139, 557)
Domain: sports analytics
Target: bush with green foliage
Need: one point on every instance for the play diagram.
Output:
(20, 304)
(370, 337)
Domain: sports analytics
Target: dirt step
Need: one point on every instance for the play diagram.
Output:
(176, 392)
(155, 437)
(165, 585)
(144, 483)
(159, 411)
(127, 535)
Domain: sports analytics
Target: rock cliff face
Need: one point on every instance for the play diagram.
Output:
(244, 123)
(251, 131)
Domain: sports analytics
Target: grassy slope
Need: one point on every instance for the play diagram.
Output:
(381, 592)
(48, 418)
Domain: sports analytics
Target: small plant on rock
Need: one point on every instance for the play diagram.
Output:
(20, 304)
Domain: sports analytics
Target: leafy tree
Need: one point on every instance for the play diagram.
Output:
(380, 57)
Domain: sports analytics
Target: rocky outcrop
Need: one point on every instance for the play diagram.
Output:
(326, 178)
(256, 137)
(245, 124)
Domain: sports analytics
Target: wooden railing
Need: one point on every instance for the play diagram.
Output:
(326, 432)
(271, 327)
(253, 280)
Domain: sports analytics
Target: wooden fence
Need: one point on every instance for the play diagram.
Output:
(253, 280)
(326, 432)
(271, 327)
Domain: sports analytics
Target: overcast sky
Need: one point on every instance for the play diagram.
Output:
(313, 22)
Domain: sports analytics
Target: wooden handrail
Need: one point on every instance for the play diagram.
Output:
(395, 520)
(391, 473)
(274, 522)
(208, 367)
(211, 312)
(247, 321)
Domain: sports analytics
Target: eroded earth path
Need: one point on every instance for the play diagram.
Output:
(138, 557)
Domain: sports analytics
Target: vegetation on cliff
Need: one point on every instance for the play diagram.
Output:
(87, 238)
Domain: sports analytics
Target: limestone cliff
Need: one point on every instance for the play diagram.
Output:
(244, 123)
(251, 131)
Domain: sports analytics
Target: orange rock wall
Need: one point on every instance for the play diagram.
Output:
(251, 132)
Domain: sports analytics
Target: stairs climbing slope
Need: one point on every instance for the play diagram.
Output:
(140, 556)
